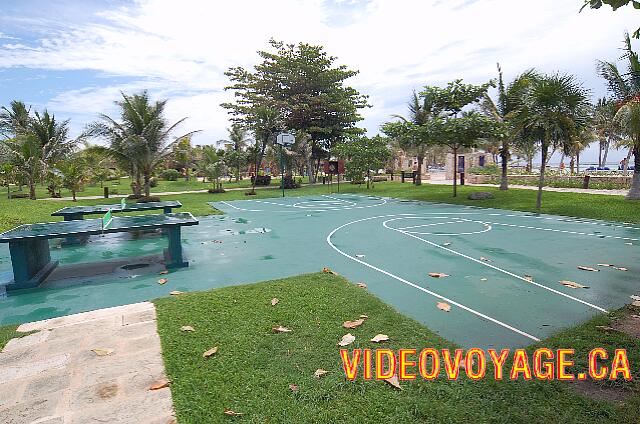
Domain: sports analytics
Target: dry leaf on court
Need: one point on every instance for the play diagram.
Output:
(620, 268)
(588, 268)
(293, 388)
(281, 329)
(176, 293)
(605, 265)
(164, 272)
(210, 352)
(528, 277)
(573, 284)
(635, 297)
(443, 306)
(438, 275)
(231, 413)
(380, 338)
(360, 256)
(446, 244)
(102, 352)
(320, 373)
(274, 301)
(394, 382)
(482, 258)
(159, 385)
(483, 279)
(347, 339)
(353, 324)
(187, 328)
(162, 281)
(362, 285)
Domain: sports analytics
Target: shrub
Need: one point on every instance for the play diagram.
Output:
(153, 182)
(485, 170)
(170, 175)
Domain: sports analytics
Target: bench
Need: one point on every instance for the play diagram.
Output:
(72, 213)
(29, 243)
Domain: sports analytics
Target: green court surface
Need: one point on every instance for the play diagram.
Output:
(391, 245)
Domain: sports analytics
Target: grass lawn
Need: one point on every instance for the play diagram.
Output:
(254, 366)
(7, 333)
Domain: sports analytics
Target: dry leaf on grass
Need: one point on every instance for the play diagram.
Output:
(364, 316)
(163, 281)
(159, 385)
(635, 303)
(443, 306)
(176, 293)
(347, 339)
(187, 328)
(231, 413)
(164, 272)
(380, 338)
(362, 285)
(635, 297)
(320, 373)
(438, 274)
(328, 271)
(102, 352)
(588, 268)
(210, 352)
(293, 388)
(607, 329)
(353, 324)
(281, 329)
(274, 301)
(393, 382)
(573, 284)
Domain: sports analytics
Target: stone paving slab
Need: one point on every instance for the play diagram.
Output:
(52, 376)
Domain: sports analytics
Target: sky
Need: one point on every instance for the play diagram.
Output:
(75, 57)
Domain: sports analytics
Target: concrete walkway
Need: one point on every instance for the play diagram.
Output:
(54, 377)
(556, 189)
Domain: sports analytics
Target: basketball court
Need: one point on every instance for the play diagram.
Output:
(503, 269)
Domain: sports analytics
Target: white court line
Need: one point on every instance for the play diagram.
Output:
(384, 224)
(294, 208)
(558, 231)
(429, 225)
(409, 283)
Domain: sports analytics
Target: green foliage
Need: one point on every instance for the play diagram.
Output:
(615, 5)
(363, 154)
(212, 166)
(74, 174)
(491, 169)
(170, 174)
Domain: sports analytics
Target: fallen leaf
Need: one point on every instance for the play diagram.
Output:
(573, 284)
(187, 328)
(620, 268)
(528, 277)
(162, 281)
(231, 413)
(635, 297)
(394, 382)
(380, 338)
(588, 268)
(635, 303)
(438, 274)
(364, 316)
(446, 244)
(293, 388)
(635, 316)
(102, 352)
(176, 293)
(328, 271)
(605, 265)
(320, 373)
(160, 385)
(281, 329)
(353, 324)
(629, 244)
(482, 258)
(362, 285)
(483, 279)
(274, 301)
(164, 272)
(347, 339)
(210, 352)
(443, 306)
(360, 256)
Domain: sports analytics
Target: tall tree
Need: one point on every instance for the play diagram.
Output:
(142, 139)
(503, 110)
(235, 144)
(555, 111)
(625, 88)
(364, 154)
(303, 85)
(183, 156)
(606, 128)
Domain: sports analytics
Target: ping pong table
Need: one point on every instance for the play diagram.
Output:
(72, 213)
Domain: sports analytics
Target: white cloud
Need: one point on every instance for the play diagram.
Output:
(179, 50)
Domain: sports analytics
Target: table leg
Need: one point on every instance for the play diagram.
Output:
(173, 254)
(74, 240)
(31, 261)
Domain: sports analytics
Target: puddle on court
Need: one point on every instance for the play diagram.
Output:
(267, 257)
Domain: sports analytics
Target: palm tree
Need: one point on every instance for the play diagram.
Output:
(237, 142)
(605, 127)
(555, 111)
(625, 87)
(266, 122)
(504, 110)
(212, 166)
(75, 173)
(142, 140)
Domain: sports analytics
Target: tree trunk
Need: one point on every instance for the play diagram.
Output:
(419, 176)
(634, 192)
(73, 194)
(368, 178)
(578, 162)
(32, 190)
(147, 184)
(600, 148)
(455, 172)
(530, 164)
(625, 168)
(572, 164)
(543, 168)
(504, 156)
(238, 173)
(606, 152)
